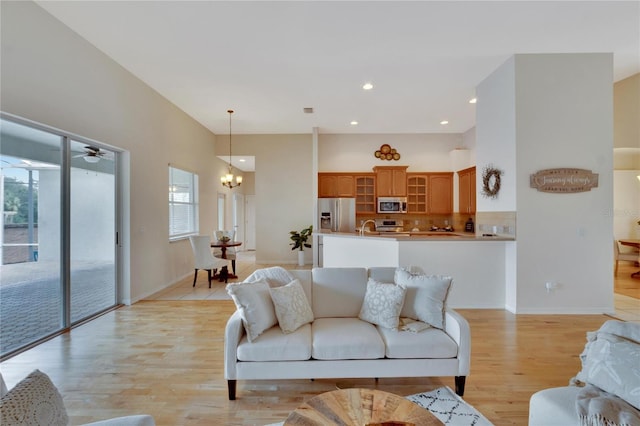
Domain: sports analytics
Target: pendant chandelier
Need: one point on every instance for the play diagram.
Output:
(228, 179)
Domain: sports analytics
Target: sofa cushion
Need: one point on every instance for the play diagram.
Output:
(274, 345)
(291, 305)
(429, 343)
(554, 407)
(33, 401)
(338, 292)
(426, 296)
(345, 338)
(382, 303)
(254, 302)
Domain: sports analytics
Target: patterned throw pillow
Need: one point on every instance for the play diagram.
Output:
(382, 304)
(292, 307)
(426, 296)
(33, 401)
(255, 306)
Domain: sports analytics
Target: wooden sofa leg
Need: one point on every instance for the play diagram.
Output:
(460, 380)
(231, 385)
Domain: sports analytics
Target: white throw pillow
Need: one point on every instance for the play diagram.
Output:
(426, 296)
(256, 308)
(292, 307)
(33, 401)
(382, 303)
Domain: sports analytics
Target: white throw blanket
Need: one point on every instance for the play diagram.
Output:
(599, 408)
(275, 276)
(611, 376)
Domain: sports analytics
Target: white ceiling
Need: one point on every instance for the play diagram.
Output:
(269, 60)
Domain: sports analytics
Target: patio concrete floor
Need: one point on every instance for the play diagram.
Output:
(30, 298)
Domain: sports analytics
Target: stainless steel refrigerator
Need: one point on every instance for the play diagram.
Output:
(334, 215)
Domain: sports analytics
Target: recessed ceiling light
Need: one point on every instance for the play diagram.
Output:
(354, 123)
(242, 160)
(443, 122)
(367, 86)
(473, 101)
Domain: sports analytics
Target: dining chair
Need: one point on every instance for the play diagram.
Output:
(625, 256)
(203, 259)
(231, 251)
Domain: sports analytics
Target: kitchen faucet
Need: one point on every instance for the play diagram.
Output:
(365, 223)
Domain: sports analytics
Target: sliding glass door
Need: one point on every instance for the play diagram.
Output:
(58, 236)
(92, 225)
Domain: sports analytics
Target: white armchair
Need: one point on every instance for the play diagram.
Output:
(624, 256)
(203, 259)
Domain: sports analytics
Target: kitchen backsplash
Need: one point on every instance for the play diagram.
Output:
(500, 223)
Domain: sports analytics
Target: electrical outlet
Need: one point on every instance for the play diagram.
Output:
(550, 286)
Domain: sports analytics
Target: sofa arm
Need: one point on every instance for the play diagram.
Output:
(457, 327)
(139, 420)
(232, 335)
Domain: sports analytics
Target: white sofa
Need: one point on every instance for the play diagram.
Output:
(607, 389)
(36, 401)
(337, 344)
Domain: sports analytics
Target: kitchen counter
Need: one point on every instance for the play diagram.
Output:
(479, 268)
(422, 236)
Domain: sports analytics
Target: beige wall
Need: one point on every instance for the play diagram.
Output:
(283, 188)
(355, 152)
(547, 112)
(626, 110)
(52, 76)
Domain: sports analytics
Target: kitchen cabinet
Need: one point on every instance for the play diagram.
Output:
(440, 193)
(332, 185)
(391, 181)
(365, 189)
(417, 193)
(467, 190)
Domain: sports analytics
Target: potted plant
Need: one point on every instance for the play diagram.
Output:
(300, 242)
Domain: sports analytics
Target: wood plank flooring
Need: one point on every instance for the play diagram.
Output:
(165, 358)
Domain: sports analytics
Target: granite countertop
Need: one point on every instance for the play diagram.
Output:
(423, 236)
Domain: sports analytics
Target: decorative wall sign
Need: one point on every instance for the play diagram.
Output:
(387, 153)
(491, 181)
(564, 181)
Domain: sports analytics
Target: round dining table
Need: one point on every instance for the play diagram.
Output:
(632, 243)
(222, 245)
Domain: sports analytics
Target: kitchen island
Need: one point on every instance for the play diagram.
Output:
(480, 266)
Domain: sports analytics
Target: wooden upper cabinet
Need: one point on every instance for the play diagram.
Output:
(467, 190)
(440, 192)
(332, 185)
(391, 181)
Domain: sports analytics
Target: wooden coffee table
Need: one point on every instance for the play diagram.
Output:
(360, 407)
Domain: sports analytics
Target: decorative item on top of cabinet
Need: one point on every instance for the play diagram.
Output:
(336, 185)
(417, 193)
(365, 193)
(440, 192)
(391, 181)
(387, 153)
(467, 190)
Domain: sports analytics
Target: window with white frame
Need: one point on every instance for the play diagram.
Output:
(183, 203)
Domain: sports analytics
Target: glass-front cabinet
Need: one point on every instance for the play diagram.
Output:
(416, 193)
(365, 193)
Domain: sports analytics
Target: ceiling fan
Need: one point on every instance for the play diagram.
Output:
(91, 154)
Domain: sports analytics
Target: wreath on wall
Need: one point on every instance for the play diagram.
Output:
(491, 181)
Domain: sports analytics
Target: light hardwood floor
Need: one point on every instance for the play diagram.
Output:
(165, 358)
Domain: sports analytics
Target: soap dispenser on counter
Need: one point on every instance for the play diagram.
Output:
(469, 226)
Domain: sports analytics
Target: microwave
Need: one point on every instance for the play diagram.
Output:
(392, 204)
